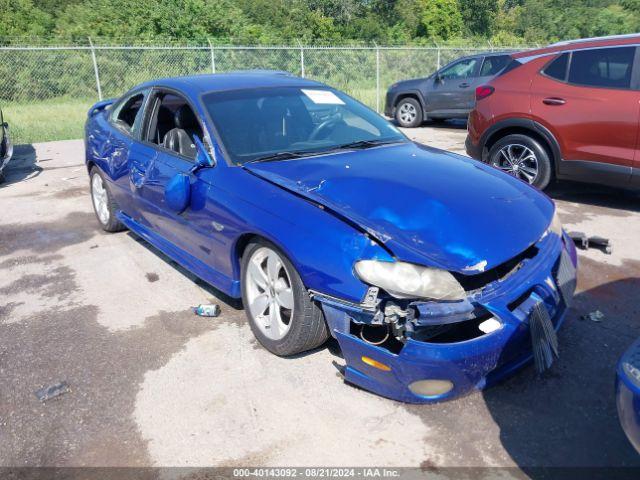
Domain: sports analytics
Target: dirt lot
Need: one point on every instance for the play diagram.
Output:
(152, 384)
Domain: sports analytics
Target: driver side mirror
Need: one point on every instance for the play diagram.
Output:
(203, 157)
(438, 78)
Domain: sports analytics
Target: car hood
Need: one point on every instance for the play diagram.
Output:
(425, 205)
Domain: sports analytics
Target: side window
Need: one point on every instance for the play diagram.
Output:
(602, 67)
(460, 70)
(493, 65)
(125, 114)
(558, 68)
(173, 125)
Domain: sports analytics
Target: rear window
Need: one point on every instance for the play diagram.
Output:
(602, 67)
(493, 65)
(558, 68)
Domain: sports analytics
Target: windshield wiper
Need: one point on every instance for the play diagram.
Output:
(362, 144)
(280, 156)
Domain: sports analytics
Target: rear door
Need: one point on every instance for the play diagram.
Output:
(588, 99)
(452, 92)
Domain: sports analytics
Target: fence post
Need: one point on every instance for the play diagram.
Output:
(437, 55)
(301, 59)
(490, 45)
(377, 77)
(95, 69)
(213, 56)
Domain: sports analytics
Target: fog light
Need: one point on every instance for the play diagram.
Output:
(431, 388)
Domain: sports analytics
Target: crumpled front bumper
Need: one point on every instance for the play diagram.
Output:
(470, 364)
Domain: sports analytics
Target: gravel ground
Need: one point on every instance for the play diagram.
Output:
(154, 385)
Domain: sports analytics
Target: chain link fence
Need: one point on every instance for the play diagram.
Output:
(46, 91)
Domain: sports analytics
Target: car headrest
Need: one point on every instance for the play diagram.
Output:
(165, 116)
(185, 118)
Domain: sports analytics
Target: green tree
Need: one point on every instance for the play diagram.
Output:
(439, 19)
(479, 16)
(21, 18)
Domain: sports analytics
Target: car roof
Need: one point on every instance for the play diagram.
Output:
(197, 84)
(610, 41)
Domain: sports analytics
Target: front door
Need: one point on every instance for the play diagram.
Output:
(453, 89)
(170, 128)
(588, 101)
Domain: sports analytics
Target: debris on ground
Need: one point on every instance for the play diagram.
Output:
(603, 244)
(211, 310)
(595, 316)
(583, 242)
(580, 239)
(52, 391)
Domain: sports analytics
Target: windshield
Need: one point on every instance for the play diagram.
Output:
(292, 122)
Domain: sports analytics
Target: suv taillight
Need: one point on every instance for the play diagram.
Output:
(483, 91)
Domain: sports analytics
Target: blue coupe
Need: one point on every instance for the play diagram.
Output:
(436, 274)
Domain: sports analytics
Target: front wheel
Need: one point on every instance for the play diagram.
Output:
(524, 158)
(409, 113)
(280, 312)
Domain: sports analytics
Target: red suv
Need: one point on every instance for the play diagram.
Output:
(567, 111)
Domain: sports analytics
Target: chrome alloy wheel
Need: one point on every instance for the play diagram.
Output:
(100, 199)
(269, 292)
(519, 161)
(407, 113)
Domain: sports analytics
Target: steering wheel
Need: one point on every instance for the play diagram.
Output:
(323, 126)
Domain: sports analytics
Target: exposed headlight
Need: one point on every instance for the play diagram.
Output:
(406, 280)
(556, 224)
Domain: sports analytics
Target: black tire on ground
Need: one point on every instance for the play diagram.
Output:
(308, 328)
(412, 105)
(113, 224)
(545, 166)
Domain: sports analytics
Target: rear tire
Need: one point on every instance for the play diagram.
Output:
(409, 113)
(523, 157)
(103, 203)
(281, 314)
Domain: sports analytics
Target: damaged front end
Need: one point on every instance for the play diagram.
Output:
(422, 351)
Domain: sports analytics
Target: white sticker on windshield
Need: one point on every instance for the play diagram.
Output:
(323, 97)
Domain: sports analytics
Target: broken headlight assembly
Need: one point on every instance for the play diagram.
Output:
(406, 280)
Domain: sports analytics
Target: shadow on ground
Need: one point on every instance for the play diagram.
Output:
(22, 166)
(596, 195)
(568, 417)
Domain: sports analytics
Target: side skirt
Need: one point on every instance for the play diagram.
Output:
(197, 267)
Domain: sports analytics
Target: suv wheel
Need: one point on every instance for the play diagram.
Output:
(409, 113)
(524, 158)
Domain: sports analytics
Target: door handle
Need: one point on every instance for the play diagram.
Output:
(464, 85)
(554, 101)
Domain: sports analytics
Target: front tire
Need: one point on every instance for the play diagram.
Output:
(409, 113)
(522, 157)
(104, 205)
(280, 312)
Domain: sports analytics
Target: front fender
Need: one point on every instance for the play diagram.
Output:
(322, 247)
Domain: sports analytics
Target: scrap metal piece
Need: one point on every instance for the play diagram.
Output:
(580, 239)
(566, 278)
(544, 338)
(52, 391)
(602, 243)
(595, 316)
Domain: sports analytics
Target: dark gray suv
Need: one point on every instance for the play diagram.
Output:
(447, 93)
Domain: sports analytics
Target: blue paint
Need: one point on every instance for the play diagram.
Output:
(394, 202)
(628, 393)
